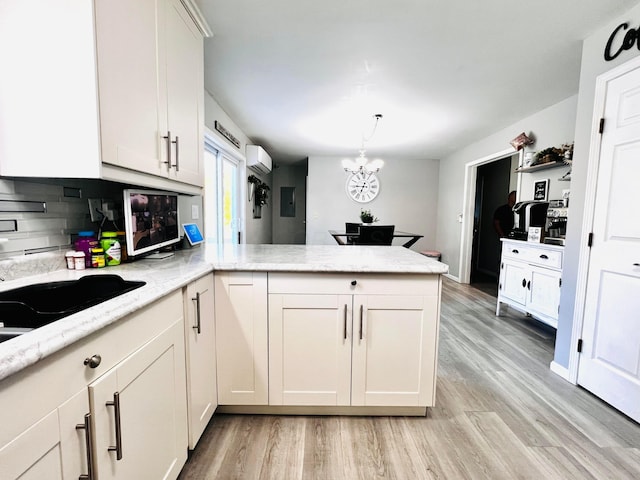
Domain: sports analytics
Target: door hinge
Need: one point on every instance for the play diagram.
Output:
(580, 345)
(601, 127)
(590, 240)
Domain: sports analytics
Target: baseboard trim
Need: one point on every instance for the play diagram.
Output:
(560, 371)
(318, 410)
(455, 279)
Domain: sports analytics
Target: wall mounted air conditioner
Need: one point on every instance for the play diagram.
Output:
(257, 159)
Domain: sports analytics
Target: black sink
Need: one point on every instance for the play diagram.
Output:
(40, 304)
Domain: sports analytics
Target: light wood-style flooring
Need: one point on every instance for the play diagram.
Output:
(500, 414)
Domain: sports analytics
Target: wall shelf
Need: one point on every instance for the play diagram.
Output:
(541, 166)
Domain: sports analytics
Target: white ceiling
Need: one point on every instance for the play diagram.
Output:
(305, 77)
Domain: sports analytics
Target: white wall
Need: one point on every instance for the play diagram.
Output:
(257, 230)
(551, 127)
(593, 64)
(408, 199)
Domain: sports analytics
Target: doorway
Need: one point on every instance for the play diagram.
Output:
(493, 184)
(469, 204)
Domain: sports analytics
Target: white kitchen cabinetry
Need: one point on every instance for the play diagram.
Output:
(530, 279)
(139, 412)
(150, 76)
(120, 76)
(52, 448)
(200, 343)
(142, 358)
(353, 339)
(241, 338)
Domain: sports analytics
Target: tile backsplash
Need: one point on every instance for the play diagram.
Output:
(67, 212)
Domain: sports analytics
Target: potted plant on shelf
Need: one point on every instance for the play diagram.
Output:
(367, 217)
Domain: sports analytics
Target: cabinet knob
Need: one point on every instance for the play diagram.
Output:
(93, 361)
(354, 283)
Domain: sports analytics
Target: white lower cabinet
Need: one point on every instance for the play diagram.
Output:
(241, 338)
(530, 279)
(53, 410)
(52, 448)
(359, 340)
(139, 412)
(200, 343)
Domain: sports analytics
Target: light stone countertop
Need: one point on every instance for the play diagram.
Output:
(167, 275)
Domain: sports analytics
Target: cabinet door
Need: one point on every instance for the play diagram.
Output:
(52, 448)
(394, 350)
(48, 89)
(543, 293)
(185, 94)
(202, 395)
(131, 76)
(513, 281)
(139, 410)
(310, 349)
(241, 338)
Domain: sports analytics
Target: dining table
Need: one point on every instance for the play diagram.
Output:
(340, 236)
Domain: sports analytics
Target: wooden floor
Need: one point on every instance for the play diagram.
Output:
(500, 414)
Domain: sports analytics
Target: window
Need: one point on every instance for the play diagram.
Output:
(223, 206)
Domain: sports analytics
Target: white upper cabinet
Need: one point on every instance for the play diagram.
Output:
(111, 89)
(48, 91)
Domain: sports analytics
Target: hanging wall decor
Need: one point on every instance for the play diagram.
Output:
(260, 194)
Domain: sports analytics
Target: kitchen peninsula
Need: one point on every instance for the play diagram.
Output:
(298, 329)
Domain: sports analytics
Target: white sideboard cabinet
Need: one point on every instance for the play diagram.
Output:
(530, 279)
(121, 97)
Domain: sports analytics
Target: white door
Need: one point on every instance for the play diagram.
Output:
(610, 359)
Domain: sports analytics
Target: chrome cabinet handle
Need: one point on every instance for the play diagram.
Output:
(544, 257)
(529, 285)
(168, 139)
(88, 439)
(177, 164)
(361, 317)
(514, 251)
(524, 282)
(197, 325)
(345, 321)
(116, 407)
(636, 264)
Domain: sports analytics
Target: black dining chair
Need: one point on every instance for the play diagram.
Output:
(351, 228)
(375, 235)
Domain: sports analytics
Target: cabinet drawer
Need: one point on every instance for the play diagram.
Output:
(353, 283)
(545, 258)
(533, 254)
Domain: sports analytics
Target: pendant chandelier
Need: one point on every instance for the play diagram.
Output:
(362, 163)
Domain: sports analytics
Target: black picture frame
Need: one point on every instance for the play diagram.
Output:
(541, 190)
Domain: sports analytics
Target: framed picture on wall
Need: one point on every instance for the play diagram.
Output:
(541, 190)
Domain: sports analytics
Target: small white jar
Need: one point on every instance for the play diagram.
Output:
(78, 258)
(70, 258)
